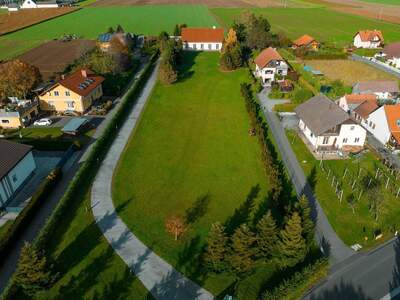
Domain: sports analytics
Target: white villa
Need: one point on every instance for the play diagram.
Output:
(328, 128)
(269, 65)
(202, 39)
(368, 39)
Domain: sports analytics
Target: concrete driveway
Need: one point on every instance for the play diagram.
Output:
(61, 121)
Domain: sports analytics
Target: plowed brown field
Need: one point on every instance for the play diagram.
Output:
(27, 17)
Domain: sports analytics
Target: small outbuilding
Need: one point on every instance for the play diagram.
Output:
(306, 41)
(75, 126)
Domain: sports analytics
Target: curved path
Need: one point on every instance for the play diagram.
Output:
(159, 277)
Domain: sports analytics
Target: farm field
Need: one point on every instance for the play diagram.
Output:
(27, 17)
(389, 2)
(89, 22)
(351, 227)
(349, 71)
(53, 57)
(191, 155)
(323, 24)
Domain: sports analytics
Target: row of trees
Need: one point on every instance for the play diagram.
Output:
(287, 245)
(171, 55)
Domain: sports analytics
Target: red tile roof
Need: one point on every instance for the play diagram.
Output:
(82, 82)
(206, 35)
(360, 98)
(393, 117)
(370, 35)
(366, 108)
(266, 56)
(392, 50)
(304, 40)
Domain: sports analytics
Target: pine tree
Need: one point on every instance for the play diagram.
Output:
(177, 30)
(231, 56)
(243, 251)
(216, 248)
(119, 29)
(307, 222)
(33, 272)
(267, 236)
(168, 74)
(110, 30)
(292, 246)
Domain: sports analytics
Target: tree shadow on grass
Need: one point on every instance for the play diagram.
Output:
(242, 214)
(312, 178)
(198, 209)
(185, 68)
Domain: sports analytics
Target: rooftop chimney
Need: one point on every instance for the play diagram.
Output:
(84, 73)
(62, 76)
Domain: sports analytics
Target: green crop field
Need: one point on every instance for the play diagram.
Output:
(323, 24)
(91, 21)
(390, 2)
(192, 153)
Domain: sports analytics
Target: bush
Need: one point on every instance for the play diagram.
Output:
(27, 214)
(300, 95)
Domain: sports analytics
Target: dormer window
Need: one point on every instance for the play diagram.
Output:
(398, 122)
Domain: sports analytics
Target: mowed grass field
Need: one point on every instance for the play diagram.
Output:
(191, 155)
(349, 71)
(89, 22)
(390, 2)
(323, 24)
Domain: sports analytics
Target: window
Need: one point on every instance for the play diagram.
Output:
(357, 140)
(373, 126)
(370, 124)
(70, 104)
(56, 93)
(312, 135)
(217, 46)
(5, 121)
(51, 103)
(14, 178)
(344, 140)
(202, 46)
(67, 93)
(194, 46)
(209, 46)
(280, 72)
(326, 140)
(398, 123)
(352, 127)
(269, 72)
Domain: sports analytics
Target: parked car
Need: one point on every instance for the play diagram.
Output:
(43, 122)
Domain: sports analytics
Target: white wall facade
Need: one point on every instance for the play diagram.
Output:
(16, 177)
(358, 43)
(343, 104)
(29, 4)
(381, 130)
(308, 134)
(54, 5)
(205, 46)
(268, 74)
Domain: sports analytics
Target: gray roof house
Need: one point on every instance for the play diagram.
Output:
(327, 127)
(384, 89)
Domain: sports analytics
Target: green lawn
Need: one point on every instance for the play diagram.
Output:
(349, 226)
(89, 22)
(192, 152)
(323, 24)
(390, 2)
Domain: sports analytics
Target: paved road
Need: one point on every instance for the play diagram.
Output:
(383, 151)
(159, 277)
(376, 65)
(366, 277)
(325, 235)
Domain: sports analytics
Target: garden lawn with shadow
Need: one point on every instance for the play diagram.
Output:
(192, 156)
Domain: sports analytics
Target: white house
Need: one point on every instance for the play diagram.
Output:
(33, 4)
(349, 102)
(269, 65)
(391, 53)
(384, 125)
(202, 39)
(383, 89)
(369, 39)
(328, 128)
(13, 7)
(16, 166)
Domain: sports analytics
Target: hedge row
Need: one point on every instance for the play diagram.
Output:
(27, 214)
(47, 144)
(87, 170)
(299, 281)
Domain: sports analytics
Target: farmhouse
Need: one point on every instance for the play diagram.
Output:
(16, 166)
(369, 39)
(34, 4)
(306, 41)
(327, 128)
(383, 89)
(384, 124)
(350, 102)
(391, 53)
(75, 92)
(18, 113)
(270, 66)
(202, 39)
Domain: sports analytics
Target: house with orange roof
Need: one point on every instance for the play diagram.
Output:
(73, 93)
(202, 39)
(306, 41)
(384, 125)
(368, 39)
(269, 66)
(349, 102)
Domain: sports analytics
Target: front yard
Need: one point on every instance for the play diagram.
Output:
(352, 218)
(192, 155)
